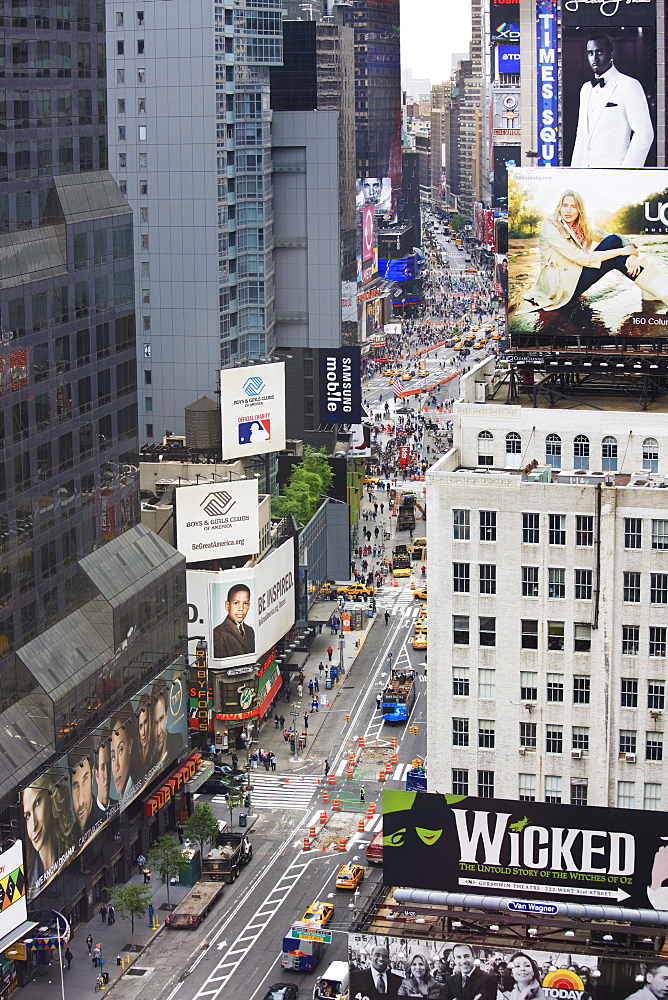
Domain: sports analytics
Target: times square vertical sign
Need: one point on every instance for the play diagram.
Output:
(548, 83)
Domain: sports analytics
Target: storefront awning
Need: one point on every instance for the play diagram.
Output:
(203, 772)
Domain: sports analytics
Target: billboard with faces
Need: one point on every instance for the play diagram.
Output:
(381, 965)
(69, 803)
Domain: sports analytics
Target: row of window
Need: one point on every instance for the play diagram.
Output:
(44, 58)
(556, 529)
(581, 451)
(555, 688)
(555, 633)
(51, 108)
(553, 784)
(556, 589)
(658, 588)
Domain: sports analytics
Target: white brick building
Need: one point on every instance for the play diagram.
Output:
(549, 605)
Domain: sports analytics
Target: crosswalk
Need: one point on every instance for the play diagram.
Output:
(399, 773)
(273, 791)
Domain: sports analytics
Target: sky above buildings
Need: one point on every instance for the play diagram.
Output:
(431, 30)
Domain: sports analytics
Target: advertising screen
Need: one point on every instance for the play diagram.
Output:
(349, 302)
(528, 850)
(375, 191)
(368, 233)
(506, 122)
(360, 441)
(504, 23)
(588, 252)
(13, 906)
(508, 58)
(399, 268)
(610, 91)
(385, 966)
(547, 83)
(504, 157)
(373, 313)
(218, 519)
(340, 386)
(252, 407)
(67, 805)
(242, 612)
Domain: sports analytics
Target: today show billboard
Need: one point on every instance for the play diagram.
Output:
(381, 965)
(528, 850)
(252, 410)
(243, 612)
(217, 520)
(588, 252)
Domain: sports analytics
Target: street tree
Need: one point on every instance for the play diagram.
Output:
(202, 826)
(167, 858)
(234, 799)
(130, 901)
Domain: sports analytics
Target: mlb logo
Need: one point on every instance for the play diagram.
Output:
(254, 431)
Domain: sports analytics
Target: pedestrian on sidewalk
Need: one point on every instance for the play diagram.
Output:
(315, 704)
(361, 793)
(103, 913)
(301, 677)
(147, 876)
(89, 942)
(310, 688)
(325, 767)
(316, 684)
(387, 618)
(273, 761)
(151, 914)
(305, 720)
(97, 954)
(111, 915)
(321, 667)
(254, 759)
(379, 699)
(68, 958)
(179, 833)
(329, 653)
(277, 721)
(300, 690)
(267, 762)
(282, 721)
(235, 761)
(320, 624)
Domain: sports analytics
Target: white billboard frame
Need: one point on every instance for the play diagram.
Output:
(252, 410)
(217, 520)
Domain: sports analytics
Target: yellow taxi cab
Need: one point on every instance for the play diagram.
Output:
(478, 346)
(371, 480)
(407, 376)
(422, 613)
(420, 542)
(420, 626)
(349, 876)
(420, 640)
(421, 594)
(355, 590)
(496, 336)
(422, 372)
(458, 346)
(318, 913)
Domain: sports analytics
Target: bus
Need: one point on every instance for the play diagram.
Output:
(399, 695)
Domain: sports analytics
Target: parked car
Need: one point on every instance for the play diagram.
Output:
(281, 991)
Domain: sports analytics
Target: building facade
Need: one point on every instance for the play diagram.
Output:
(549, 659)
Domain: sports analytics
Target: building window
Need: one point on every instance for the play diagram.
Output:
(528, 735)
(651, 795)
(526, 787)
(529, 633)
(460, 682)
(460, 732)
(580, 452)
(461, 578)
(557, 529)
(141, 133)
(582, 637)
(486, 683)
(584, 530)
(486, 734)
(122, 161)
(487, 580)
(656, 695)
(609, 454)
(528, 685)
(552, 788)
(658, 588)
(529, 581)
(460, 630)
(530, 529)
(555, 635)
(650, 455)
(626, 794)
(487, 631)
(460, 781)
(513, 443)
(556, 583)
(487, 525)
(553, 451)
(632, 532)
(555, 687)
(653, 746)
(659, 534)
(632, 588)
(580, 737)
(486, 784)
(554, 739)
(630, 640)
(583, 584)
(581, 690)
(485, 448)
(657, 640)
(627, 741)
(578, 791)
(461, 525)
(629, 692)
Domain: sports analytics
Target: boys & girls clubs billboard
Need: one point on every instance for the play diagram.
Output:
(69, 803)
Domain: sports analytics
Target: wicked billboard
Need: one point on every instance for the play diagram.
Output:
(529, 850)
(587, 253)
(68, 804)
(382, 965)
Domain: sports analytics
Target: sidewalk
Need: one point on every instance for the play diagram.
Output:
(79, 981)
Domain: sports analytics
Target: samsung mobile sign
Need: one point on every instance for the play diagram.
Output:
(548, 93)
(217, 520)
(535, 850)
(340, 386)
(252, 406)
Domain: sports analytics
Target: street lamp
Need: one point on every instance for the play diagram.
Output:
(295, 713)
(342, 644)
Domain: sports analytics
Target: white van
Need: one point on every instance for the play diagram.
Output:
(333, 985)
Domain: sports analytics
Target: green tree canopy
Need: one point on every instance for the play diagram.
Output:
(457, 222)
(130, 901)
(202, 826)
(310, 479)
(166, 858)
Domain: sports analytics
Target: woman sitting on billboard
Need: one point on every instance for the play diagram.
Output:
(574, 255)
(419, 981)
(47, 814)
(525, 979)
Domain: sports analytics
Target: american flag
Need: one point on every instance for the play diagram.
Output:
(396, 385)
